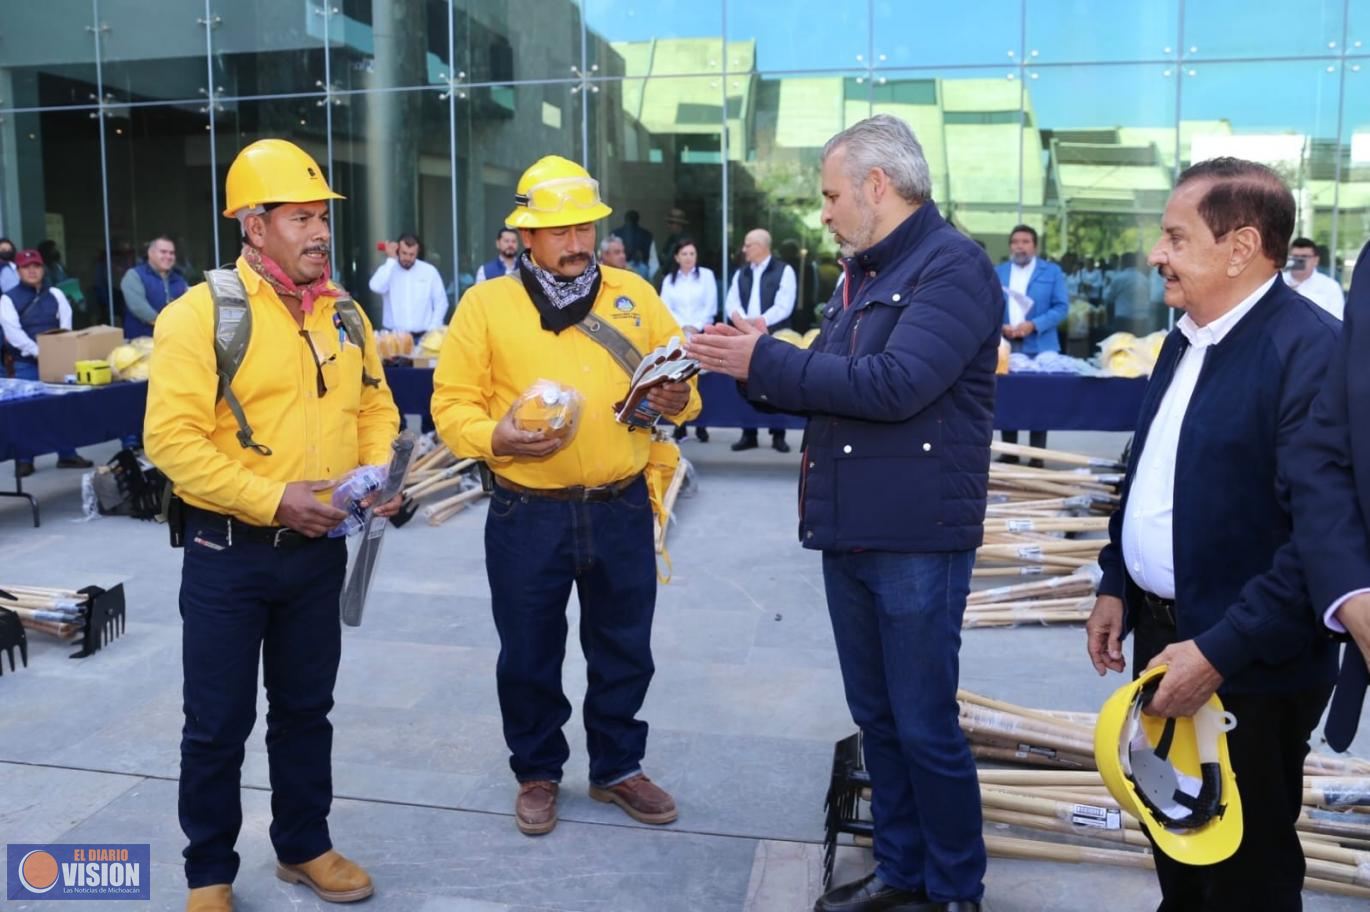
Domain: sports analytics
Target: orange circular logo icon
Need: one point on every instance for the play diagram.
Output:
(38, 871)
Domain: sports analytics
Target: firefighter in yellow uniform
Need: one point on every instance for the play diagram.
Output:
(252, 462)
(563, 514)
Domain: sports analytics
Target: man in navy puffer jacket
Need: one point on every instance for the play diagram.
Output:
(899, 392)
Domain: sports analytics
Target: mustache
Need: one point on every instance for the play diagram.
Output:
(574, 258)
(323, 250)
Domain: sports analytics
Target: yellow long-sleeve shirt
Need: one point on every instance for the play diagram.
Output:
(496, 348)
(193, 439)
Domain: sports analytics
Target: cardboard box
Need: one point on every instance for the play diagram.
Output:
(59, 350)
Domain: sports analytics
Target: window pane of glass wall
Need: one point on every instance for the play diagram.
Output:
(1215, 29)
(1099, 159)
(238, 123)
(501, 130)
(1097, 31)
(392, 160)
(50, 164)
(656, 147)
(152, 49)
(1358, 27)
(1353, 223)
(502, 41)
(774, 167)
(386, 44)
(806, 35)
(268, 47)
(160, 183)
(47, 54)
(919, 33)
(641, 38)
(968, 123)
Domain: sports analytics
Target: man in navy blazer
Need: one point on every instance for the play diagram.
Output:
(899, 392)
(1197, 567)
(1332, 506)
(1035, 303)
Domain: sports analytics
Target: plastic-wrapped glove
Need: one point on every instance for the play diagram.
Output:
(348, 495)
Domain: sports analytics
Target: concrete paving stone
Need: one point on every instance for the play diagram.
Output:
(40, 803)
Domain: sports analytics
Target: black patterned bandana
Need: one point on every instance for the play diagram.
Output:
(561, 302)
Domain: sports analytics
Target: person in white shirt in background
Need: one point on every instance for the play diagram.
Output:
(690, 292)
(1302, 275)
(9, 275)
(412, 289)
(611, 252)
(765, 290)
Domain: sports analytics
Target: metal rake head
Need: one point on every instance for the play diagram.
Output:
(12, 635)
(105, 618)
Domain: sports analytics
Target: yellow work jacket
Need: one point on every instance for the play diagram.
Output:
(193, 439)
(496, 348)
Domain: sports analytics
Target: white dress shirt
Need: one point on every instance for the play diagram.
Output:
(692, 299)
(1148, 524)
(510, 268)
(414, 298)
(14, 330)
(9, 277)
(1322, 290)
(779, 310)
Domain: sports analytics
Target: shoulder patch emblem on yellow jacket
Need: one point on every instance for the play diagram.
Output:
(624, 303)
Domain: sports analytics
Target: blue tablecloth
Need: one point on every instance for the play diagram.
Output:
(1025, 402)
(44, 424)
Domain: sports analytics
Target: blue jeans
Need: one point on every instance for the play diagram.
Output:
(24, 369)
(897, 622)
(242, 605)
(535, 550)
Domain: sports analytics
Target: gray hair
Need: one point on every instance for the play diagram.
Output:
(887, 143)
(608, 242)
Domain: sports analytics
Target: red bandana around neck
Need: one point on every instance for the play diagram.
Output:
(275, 276)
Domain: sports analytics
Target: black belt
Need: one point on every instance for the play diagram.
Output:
(577, 494)
(235, 530)
(1159, 612)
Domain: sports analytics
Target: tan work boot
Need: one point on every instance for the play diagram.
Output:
(641, 798)
(331, 876)
(216, 898)
(535, 809)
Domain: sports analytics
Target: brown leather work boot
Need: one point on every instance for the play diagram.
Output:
(535, 809)
(331, 876)
(642, 799)
(216, 898)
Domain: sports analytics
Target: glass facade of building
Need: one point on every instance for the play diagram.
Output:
(118, 118)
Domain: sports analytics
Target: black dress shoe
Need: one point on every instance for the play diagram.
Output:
(23, 469)
(702, 434)
(746, 443)
(871, 894)
(779, 445)
(74, 462)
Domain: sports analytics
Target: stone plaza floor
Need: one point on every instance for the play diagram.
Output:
(745, 707)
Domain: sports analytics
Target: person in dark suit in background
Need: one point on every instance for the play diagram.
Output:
(1196, 565)
(1331, 490)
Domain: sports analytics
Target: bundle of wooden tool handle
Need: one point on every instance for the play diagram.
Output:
(1048, 520)
(1050, 600)
(1064, 795)
(59, 612)
(439, 471)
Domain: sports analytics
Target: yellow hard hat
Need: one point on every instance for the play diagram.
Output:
(555, 192)
(273, 171)
(790, 336)
(1174, 775)
(123, 357)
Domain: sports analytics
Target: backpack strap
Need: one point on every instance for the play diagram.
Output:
(351, 317)
(232, 332)
(619, 346)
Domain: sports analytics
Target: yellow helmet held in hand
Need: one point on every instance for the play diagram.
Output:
(1174, 775)
(273, 171)
(555, 192)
